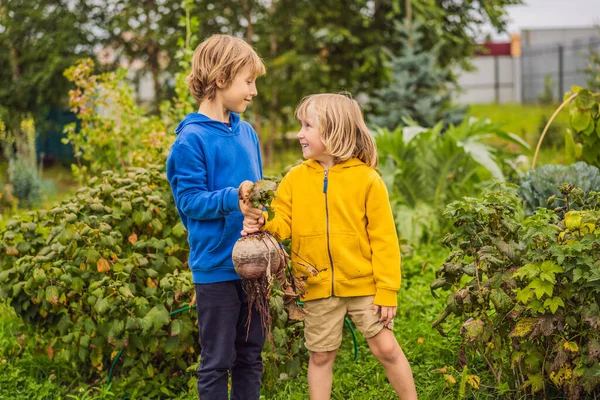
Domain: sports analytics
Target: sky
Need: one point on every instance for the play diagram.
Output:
(551, 14)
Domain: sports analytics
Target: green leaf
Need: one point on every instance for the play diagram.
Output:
(585, 100)
(576, 89)
(39, 276)
(549, 266)
(174, 262)
(101, 306)
(125, 291)
(590, 129)
(176, 327)
(541, 287)
(77, 285)
(502, 302)
(64, 324)
(536, 382)
(23, 248)
(554, 303)
(580, 120)
(572, 149)
(4, 274)
(52, 295)
(524, 295)
(138, 217)
(178, 230)
(528, 270)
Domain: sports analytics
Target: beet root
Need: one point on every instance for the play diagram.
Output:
(256, 255)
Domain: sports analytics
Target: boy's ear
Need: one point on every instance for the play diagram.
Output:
(221, 83)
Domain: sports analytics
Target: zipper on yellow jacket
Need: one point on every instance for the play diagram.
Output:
(325, 183)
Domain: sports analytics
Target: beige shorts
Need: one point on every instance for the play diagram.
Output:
(325, 320)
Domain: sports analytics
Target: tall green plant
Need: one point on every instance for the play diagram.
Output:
(425, 169)
(526, 290)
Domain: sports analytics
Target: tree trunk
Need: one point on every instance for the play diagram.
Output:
(248, 15)
(152, 51)
(273, 116)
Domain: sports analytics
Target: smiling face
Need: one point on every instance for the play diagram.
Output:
(240, 92)
(310, 139)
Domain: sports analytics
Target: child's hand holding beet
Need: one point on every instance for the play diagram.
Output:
(252, 225)
(247, 207)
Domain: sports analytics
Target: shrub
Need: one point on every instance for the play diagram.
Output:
(115, 133)
(101, 273)
(526, 290)
(106, 272)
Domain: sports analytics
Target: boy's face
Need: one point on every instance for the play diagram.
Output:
(238, 95)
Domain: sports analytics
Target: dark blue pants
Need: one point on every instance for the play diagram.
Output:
(222, 315)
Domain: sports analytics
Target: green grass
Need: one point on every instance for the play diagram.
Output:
(424, 347)
(528, 121)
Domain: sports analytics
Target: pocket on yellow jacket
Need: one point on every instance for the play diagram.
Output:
(312, 251)
(349, 261)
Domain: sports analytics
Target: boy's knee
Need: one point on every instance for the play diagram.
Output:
(322, 359)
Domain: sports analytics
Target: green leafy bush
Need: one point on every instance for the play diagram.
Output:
(527, 290)
(541, 184)
(106, 272)
(101, 272)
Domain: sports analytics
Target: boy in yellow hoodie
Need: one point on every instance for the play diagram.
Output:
(335, 208)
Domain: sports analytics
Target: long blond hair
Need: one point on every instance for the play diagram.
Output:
(342, 126)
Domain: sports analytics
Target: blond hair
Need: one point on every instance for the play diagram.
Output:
(342, 126)
(218, 59)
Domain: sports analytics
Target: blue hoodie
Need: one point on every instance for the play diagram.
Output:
(205, 167)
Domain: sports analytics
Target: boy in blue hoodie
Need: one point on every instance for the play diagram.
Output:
(214, 153)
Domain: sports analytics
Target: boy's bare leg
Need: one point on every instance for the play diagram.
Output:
(320, 374)
(386, 349)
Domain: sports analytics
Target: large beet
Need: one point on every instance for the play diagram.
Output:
(253, 254)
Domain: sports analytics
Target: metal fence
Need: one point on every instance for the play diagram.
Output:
(494, 79)
(556, 67)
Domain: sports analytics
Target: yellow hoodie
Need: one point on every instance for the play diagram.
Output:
(341, 223)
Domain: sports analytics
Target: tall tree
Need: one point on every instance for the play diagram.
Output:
(146, 33)
(331, 45)
(39, 39)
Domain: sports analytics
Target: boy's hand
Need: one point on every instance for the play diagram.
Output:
(252, 225)
(245, 206)
(386, 313)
